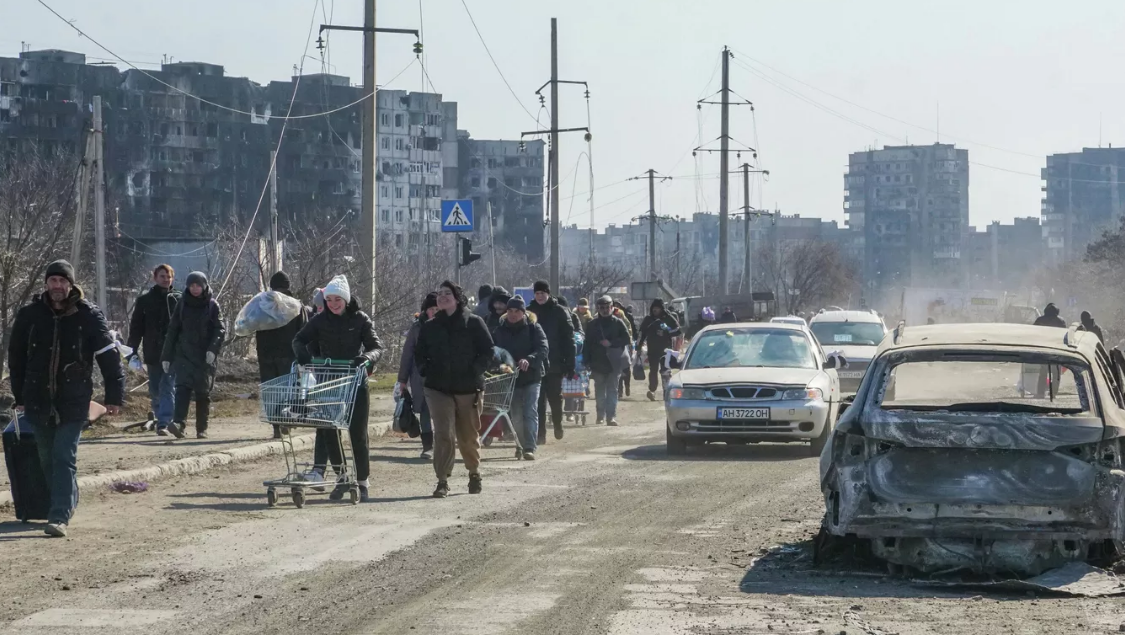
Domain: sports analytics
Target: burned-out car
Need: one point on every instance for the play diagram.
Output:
(964, 467)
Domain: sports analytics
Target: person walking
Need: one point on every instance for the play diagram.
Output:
(318, 301)
(526, 342)
(342, 332)
(410, 379)
(1089, 325)
(484, 301)
(56, 339)
(1049, 374)
(625, 383)
(152, 313)
(555, 322)
(275, 346)
(606, 353)
(191, 350)
(453, 352)
(575, 322)
(583, 312)
(500, 297)
(1050, 317)
(728, 316)
(659, 330)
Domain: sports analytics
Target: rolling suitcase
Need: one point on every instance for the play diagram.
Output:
(30, 495)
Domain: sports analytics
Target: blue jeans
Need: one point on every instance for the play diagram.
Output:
(58, 455)
(525, 415)
(605, 394)
(161, 394)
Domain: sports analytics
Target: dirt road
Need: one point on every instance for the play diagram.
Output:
(603, 534)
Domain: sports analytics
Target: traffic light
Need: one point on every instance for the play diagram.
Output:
(467, 255)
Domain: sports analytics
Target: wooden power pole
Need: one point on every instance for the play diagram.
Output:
(99, 203)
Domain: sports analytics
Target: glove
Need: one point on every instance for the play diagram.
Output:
(361, 360)
(210, 358)
(167, 366)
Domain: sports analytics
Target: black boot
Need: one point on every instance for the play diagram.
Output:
(202, 415)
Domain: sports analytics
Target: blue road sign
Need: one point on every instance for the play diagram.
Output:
(457, 216)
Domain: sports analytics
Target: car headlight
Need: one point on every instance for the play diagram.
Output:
(687, 393)
(802, 394)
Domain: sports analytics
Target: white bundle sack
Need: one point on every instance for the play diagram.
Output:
(265, 311)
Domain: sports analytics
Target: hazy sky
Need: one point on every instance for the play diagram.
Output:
(1010, 80)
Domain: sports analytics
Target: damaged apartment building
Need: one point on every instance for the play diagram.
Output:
(188, 148)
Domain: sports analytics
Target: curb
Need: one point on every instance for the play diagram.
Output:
(196, 464)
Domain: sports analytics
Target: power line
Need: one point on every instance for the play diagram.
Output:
(494, 64)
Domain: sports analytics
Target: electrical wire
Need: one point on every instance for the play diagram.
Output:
(574, 187)
(157, 252)
(494, 64)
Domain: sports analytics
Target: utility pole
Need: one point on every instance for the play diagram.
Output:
(82, 197)
(724, 167)
(274, 265)
(747, 270)
(492, 242)
(555, 155)
(651, 176)
(370, 138)
(99, 202)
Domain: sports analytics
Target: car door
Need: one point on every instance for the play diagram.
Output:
(833, 376)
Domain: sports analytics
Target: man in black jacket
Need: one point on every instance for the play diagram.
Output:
(484, 301)
(555, 321)
(453, 352)
(526, 342)
(607, 339)
(55, 341)
(1048, 373)
(191, 352)
(660, 330)
(152, 313)
(275, 346)
(1088, 324)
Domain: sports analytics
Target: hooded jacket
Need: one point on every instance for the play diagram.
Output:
(556, 323)
(1050, 317)
(1088, 324)
(51, 358)
(658, 331)
(499, 294)
(408, 372)
(453, 352)
(152, 313)
(612, 329)
(341, 337)
(195, 330)
(524, 340)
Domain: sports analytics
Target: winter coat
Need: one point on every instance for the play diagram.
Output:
(408, 372)
(483, 308)
(51, 358)
(576, 322)
(658, 331)
(555, 321)
(524, 340)
(631, 322)
(1050, 317)
(275, 346)
(596, 356)
(196, 329)
(343, 337)
(584, 318)
(453, 352)
(1093, 328)
(728, 317)
(152, 313)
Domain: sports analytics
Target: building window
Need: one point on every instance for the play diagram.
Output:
(386, 142)
(398, 191)
(398, 215)
(386, 119)
(384, 191)
(398, 237)
(412, 214)
(398, 124)
(385, 215)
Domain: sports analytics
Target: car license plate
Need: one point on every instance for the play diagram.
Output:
(850, 374)
(744, 413)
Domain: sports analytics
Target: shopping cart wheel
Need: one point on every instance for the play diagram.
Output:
(353, 493)
(298, 497)
(271, 497)
(519, 454)
(488, 441)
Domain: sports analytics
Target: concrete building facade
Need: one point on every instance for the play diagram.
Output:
(509, 175)
(1084, 194)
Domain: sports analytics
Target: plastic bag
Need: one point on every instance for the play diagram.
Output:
(265, 311)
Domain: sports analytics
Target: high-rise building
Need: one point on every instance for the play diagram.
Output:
(911, 206)
(509, 176)
(1084, 195)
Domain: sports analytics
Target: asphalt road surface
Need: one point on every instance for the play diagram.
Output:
(603, 534)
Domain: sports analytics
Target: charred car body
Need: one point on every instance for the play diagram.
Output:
(961, 469)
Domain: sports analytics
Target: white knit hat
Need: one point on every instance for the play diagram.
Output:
(339, 286)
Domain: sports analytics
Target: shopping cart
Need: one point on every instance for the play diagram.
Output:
(497, 404)
(574, 391)
(320, 396)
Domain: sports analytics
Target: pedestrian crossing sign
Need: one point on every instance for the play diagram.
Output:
(457, 216)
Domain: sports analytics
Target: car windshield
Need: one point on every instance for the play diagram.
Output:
(734, 348)
(847, 333)
(989, 386)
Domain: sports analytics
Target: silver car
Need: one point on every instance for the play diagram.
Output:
(743, 383)
(855, 335)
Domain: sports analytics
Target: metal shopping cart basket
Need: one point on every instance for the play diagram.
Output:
(321, 396)
(497, 405)
(574, 391)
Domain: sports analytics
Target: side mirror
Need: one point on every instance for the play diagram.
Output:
(835, 362)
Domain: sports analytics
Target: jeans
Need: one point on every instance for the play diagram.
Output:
(605, 395)
(58, 455)
(329, 444)
(525, 415)
(161, 394)
(456, 421)
(550, 391)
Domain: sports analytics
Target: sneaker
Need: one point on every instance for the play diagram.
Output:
(651, 396)
(176, 430)
(314, 476)
(558, 430)
(611, 423)
(162, 432)
(202, 435)
(626, 390)
(474, 484)
(442, 490)
(529, 456)
(55, 530)
(427, 455)
(363, 493)
(570, 418)
(599, 422)
(339, 491)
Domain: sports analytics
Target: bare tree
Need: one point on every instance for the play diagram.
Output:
(807, 275)
(592, 280)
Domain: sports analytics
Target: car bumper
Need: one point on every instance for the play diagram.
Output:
(788, 421)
